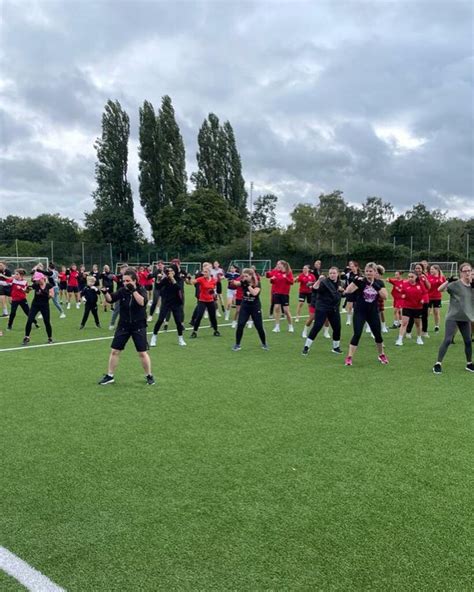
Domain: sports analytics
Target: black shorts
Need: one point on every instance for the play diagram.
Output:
(63, 285)
(5, 290)
(73, 289)
(238, 301)
(122, 335)
(304, 297)
(281, 299)
(219, 287)
(351, 297)
(435, 304)
(412, 313)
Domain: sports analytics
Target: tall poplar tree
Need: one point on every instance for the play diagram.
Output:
(172, 153)
(112, 220)
(234, 184)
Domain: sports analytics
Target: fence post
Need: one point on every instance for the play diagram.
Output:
(111, 258)
(52, 250)
(467, 246)
(447, 248)
(429, 244)
(347, 246)
(411, 248)
(82, 249)
(332, 246)
(16, 249)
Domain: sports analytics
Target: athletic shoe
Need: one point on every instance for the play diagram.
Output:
(234, 325)
(81, 327)
(305, 351)
(276, 329)
(407, 335)
(384, 329)
(395, 326)
(39, 316)
(181, 341)
(265, 347)
(78, 305)
(249, 325)
(99, 326)
(470, 367)
(326, 335)
(165, 327)
(383, 359)
(304, 335)
(270, 316)
(348, 361)
(419, 341)
(150, 380)
(368, 329)
(68, 306)
(297, 319)
(149, 319)
(426, 335)
(153, 340)
(62, 316)
(217, 334)
(291, 329)
(236, 347)
(26, 341)
(194, 335)
(437, 368)
(436, 329)
(50, 340)
(218, 314)
(399, 341)
(111, 327)
(348, 323)
(336, 350)
(226, 317)
(9, 328)
(107, 379)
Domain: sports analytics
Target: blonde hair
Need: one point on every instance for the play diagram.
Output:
(90, 280)
(371, 265)
(251, 272)
(286, 265)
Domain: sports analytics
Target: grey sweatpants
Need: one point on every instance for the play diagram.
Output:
(465, 330)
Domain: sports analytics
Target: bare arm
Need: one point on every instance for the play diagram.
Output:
(139, 299)
(351, 288)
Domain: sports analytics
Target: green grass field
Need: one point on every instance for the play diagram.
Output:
(244, 470)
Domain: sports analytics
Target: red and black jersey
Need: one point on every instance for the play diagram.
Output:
(435, 281)
(412, 295)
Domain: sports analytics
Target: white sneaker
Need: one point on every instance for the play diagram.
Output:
(153, 340)
(234, 325)
(249, 325)
(408, 335)
(226, 317)
(276, 329)
(419, 341)
(297, 319)
(62, 316)
(384, 330)
(78, 305)
(111, 327)
(149, 318)
(304, 335)
(348, 323)
(399, 341)
(367, 329)
(326, 334)
(68, 306)
(291, 329)
(425, 335)
(181, 341)
(218, 314)
(40, 316)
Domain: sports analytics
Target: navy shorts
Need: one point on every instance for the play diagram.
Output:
(123, 334)
(412, 313)
(302, 297)
(281, 299)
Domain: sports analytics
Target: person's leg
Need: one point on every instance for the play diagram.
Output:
(450, 330)
(424, 319)
(277, 315)
(200, 308)
(256, 315)
(12, 316)
(418, 325)
(31, 319)
(145, 362)
(178, 319)
(46, 318)
(411, 322)
(334, 318)
(359, 322)
(465, 330)
(436, 315)
(373, 321)
(402, 330)
(211, 308)
(243, 318)
(286, 310)
(115, 314)
(56, 300)
(164, 311)
(349, 306)
(95, 315)
(298, 310)
(113, 361)
(319, 320)
(85, 316)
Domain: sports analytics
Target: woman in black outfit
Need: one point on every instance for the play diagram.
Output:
(43, 291)
(171, 289)
(250, 307)
(328, 292)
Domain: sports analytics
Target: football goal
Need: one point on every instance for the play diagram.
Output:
(26, 263)
(261, 265)
(448, 268)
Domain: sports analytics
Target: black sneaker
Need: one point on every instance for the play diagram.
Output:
(336, 350)
(305, 351)
(26, 341)
(165, 327)
(107, 379)
(50, 340)
(470, 367)
(265, 347)
(436, 329)
(236, 347)
(150, 380)
(99, 326)
(9, 328)
(437, 368)
(193, 335)
(81, 327)
(217, 334)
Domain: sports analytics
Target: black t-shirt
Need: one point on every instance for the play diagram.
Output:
(91, 294)
(328, 296)
(247, 297)
(132, 315)
(368, 293)
(41, 295)
(171, 293)
(107, 280)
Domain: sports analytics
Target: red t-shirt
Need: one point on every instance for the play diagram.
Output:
(281, 282)
(18, 289)
(72, 278)
(207, 289)
(395, 293)
(435, 281)
(303, 280)
(412, 295)
(142, 278)
(62, 276)
(426, 296)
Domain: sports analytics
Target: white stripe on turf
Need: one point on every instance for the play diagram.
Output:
(26, 347)
(30, 577)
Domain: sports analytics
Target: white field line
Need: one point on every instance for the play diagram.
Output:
(75, 341)
(31, 578)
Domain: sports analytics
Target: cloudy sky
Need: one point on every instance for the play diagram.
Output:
(370, 97)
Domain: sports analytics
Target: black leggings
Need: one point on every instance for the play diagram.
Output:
(465, 330)
(372, 318)
(334, 318)
(253, 311)
(23, 304)
(154, 302)
(90, 309)
(211, 309)
(165, 313)
(44, 310)
(424, 319)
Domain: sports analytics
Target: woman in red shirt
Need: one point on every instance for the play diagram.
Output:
(281, 279)
(436, 278)
(306, 281)
(425, 287)
(397, 283)
(73, 286)
(412, 295)
(206, 301)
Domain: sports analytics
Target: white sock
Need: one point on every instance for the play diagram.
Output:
(335, 344)
(308, 343)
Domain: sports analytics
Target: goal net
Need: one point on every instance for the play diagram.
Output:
(188, 266)
(448, 268)
(26, 263)
(261, 265)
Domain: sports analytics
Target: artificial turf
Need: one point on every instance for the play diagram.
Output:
(247, 470)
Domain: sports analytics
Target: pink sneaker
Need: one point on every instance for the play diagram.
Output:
(348, 361)
(383, 359)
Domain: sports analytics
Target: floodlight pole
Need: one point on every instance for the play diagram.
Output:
(250, 224)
